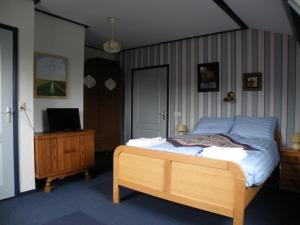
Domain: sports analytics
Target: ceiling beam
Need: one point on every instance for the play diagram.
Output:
(36, 1)
(62, 18)
(231, 13)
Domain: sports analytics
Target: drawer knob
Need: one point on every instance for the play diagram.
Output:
(69, 151)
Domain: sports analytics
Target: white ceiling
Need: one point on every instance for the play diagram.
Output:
(145, 22)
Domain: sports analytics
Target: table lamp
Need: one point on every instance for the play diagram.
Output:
(181, 129)
(296, 141)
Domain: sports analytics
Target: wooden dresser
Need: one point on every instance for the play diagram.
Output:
(290, 169)
(61, 154)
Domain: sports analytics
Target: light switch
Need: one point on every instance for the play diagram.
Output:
(177, 114)
(22, 105)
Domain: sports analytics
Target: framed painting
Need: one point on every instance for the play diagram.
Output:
(50, 76)
(252, 81)
(208, 77)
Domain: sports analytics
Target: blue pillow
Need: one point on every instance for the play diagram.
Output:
(213, 126)
(254, 127)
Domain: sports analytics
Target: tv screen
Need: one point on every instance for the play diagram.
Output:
(63, 119)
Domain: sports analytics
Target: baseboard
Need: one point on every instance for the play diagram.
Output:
(21, 194)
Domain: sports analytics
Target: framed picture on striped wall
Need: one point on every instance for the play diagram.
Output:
(252, 81)
(208, 77)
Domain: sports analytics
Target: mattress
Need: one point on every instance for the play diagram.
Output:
(257, 165)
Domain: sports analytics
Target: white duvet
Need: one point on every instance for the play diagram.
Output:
(229, 154)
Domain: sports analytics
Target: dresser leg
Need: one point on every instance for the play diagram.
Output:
(47, 187)
(87, 175)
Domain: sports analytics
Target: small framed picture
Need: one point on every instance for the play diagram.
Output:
(252, 81)
(208, 77)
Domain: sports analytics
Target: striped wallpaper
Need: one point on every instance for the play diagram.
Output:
(277, 56)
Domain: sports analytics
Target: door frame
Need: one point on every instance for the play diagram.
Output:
(15, 105)
(168, 94)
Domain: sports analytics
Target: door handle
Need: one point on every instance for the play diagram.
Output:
(8, 112)
(163, 114)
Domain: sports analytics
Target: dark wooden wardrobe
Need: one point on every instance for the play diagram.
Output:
(103, 102)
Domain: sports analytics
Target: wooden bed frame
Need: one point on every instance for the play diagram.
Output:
(216, 186)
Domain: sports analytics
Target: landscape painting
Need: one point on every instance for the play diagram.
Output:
(50, 76)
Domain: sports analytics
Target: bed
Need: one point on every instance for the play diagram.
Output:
(214, 185)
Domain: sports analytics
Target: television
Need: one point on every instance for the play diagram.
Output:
(63, 119)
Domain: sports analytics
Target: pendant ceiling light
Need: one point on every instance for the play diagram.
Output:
(112, 46)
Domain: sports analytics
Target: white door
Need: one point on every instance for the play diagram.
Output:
(149, 102)
(6, 124)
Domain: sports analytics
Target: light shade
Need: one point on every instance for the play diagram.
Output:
(112, 46)
(296, 138)
(181, 128)
(296, 141)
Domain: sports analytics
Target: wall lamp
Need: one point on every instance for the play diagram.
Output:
(230, 97)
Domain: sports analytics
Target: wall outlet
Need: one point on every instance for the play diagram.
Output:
(22, 105)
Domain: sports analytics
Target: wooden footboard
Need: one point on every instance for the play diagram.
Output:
(213, 185)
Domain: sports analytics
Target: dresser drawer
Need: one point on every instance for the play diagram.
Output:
(290, 169)
(290, 158)
(290, 183)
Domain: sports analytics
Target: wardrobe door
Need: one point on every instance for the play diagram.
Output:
(103, 102)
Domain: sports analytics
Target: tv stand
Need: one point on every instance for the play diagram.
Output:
(61, 154)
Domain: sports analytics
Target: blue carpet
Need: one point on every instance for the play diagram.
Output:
(75, 218)
(94, 200)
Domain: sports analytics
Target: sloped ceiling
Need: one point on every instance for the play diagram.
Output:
(145, 22)
(262, 14)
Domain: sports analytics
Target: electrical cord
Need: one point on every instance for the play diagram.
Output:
(28, 119)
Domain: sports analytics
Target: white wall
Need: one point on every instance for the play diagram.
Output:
(59, 37)
(20, 14)
(90, 53)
